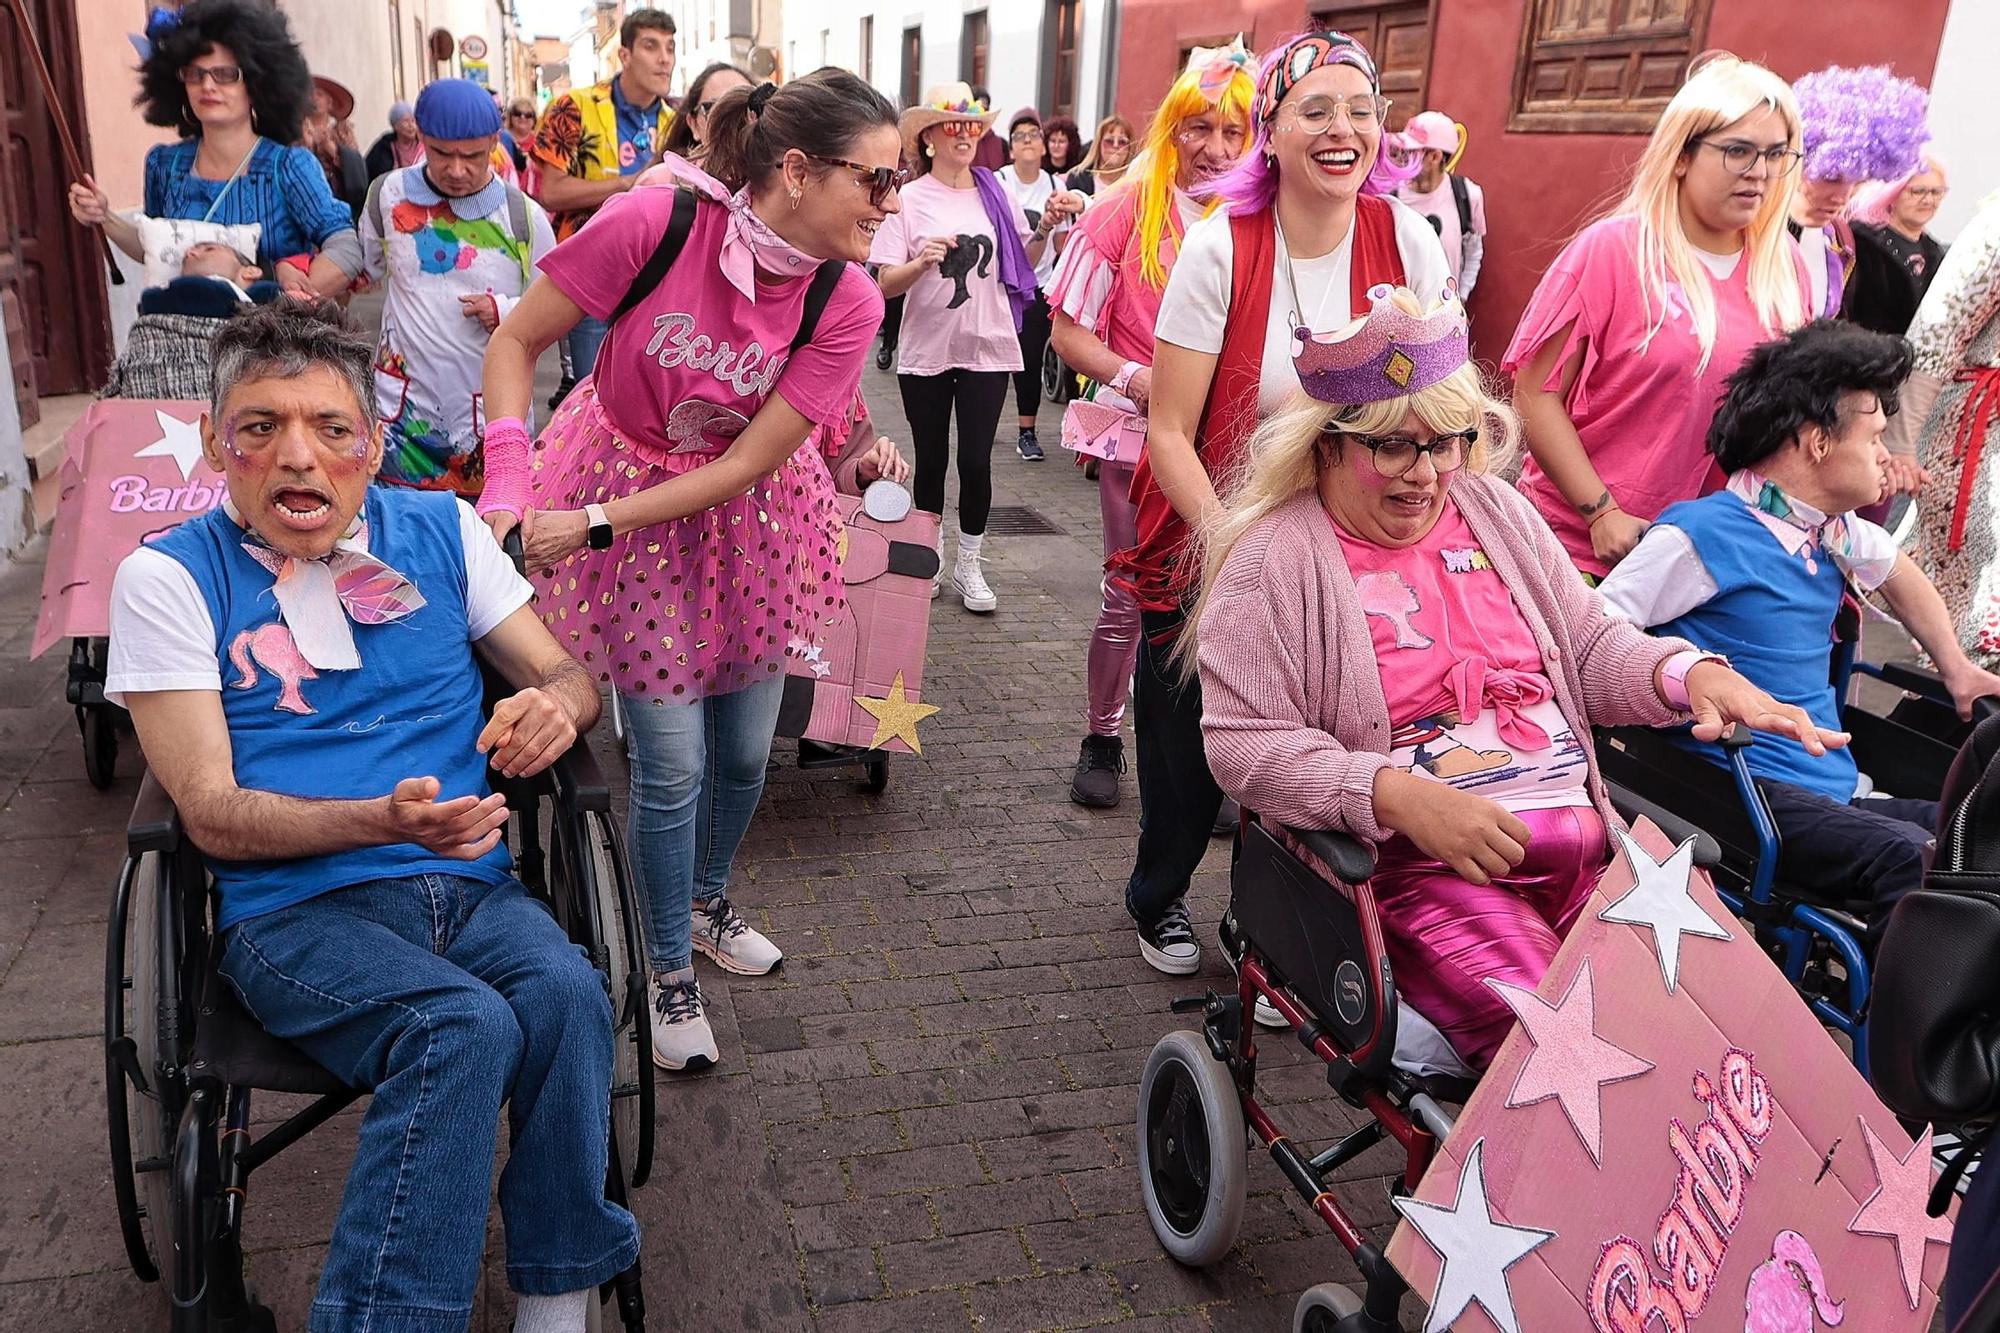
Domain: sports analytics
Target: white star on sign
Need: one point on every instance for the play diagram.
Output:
(813, 653)
(822, 669)
(1476, 1250)
(1659, 899)
(179, 440)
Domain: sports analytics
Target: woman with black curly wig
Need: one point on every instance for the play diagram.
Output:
(228, 76)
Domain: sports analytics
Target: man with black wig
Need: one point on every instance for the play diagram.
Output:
(1756, 572)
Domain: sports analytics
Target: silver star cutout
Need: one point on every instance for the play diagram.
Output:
(179, 440)
(1476, 1250)
(1659, 899)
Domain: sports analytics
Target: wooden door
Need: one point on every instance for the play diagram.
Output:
(1398, 36)
(913, 65)
(51, 270)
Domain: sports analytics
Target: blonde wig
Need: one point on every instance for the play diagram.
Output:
(1157, 164)
(1719, 93)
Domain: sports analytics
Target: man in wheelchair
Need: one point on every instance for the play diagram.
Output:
(1757, 572)
(299, 667)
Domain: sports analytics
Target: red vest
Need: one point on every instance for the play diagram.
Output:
(1150, 568)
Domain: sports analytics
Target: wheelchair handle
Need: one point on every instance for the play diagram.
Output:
(1737, 737)
(516, 552)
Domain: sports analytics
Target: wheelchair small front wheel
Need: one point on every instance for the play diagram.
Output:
(1325, 1309)
(1193, 1163)
(100, 744)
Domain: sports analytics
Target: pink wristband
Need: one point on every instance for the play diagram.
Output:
(505, 445)
(1674, 676)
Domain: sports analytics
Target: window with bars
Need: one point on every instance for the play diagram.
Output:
(972, 37)
(1061, 38)
(1603, 66)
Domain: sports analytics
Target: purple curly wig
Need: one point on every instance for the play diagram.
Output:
(1860, 124)
(1252, 184)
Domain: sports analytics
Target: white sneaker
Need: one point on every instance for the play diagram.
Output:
(1263, 1011)
(682, 1038)
(1168, 944)
(721, 932)
(937, 582)
(972, 588)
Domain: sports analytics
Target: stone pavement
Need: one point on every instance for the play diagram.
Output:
(924, 1121)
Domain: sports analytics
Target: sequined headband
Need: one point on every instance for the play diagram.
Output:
(1389, 354)
(1301, 57)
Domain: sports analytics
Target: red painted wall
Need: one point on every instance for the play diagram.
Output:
(1539, 187)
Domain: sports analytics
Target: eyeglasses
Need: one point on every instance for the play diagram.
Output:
(962, 129)
(1315, 115)
(1396, 455)
(1742, 158)
(220, 75)
(703, 108)
(522, 115)
(1115, 141)
(880, 180)
(1024, 136)
(1926, 193)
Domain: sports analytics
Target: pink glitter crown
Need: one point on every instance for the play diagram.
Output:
(1388, 354)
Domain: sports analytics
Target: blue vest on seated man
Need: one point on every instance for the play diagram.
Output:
(412, 708)
(1772, 617)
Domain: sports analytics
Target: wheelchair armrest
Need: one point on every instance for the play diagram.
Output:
(1906, 677)
(154, 824)
(1631, 806)
(579, 781)
(1351, 860)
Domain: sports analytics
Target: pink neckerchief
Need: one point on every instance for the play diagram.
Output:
(748, 243)
(316, 598)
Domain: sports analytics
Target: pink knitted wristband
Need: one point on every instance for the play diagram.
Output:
(506, 487)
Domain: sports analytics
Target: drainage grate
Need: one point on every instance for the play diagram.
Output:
(1020, 521)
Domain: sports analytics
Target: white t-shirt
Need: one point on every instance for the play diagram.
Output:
(1195, 306)
(162, 637)
(1463, 251)
(1033, 199)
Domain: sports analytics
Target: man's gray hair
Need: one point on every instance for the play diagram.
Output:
(287, 338)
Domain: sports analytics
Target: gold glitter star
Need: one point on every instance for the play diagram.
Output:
(896, 716)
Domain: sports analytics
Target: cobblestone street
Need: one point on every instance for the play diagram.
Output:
(923, 1121)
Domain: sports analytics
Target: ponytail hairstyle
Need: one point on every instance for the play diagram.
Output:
(823, 114)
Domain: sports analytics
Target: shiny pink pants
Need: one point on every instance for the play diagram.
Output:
(1447, 937)
(1114, 644)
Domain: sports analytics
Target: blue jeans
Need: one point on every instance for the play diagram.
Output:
(446, 996)
(584, 339)
(697, 774)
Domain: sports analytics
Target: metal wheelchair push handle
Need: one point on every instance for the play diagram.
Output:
(579, 781)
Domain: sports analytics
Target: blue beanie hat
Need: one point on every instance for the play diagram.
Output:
(456, 109)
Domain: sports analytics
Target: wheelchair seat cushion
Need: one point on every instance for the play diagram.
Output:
(231, 1044)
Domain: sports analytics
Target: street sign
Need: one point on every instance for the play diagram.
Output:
(473, 47)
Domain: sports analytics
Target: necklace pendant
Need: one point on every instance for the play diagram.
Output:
(1303, 334)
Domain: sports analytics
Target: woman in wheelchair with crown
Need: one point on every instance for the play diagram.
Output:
(1368, 527)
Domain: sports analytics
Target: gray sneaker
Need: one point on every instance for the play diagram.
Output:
(682, 1038)
(721, 932)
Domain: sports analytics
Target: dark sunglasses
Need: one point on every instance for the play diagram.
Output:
(880, 180)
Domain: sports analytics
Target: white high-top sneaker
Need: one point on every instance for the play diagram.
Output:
(966, 579)
(682, 1038)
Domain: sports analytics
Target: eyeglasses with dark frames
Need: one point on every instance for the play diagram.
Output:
(1742, 158)
(880, 180)
(219, 75)
(1395, 455)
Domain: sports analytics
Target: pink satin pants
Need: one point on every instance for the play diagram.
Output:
(1114, 644)
(1446, 937)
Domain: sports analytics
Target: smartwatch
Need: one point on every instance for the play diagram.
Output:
(600, 527)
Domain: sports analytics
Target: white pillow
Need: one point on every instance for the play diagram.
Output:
(167, 239)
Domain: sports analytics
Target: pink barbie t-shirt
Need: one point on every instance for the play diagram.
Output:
(956, 316)
(686, 369)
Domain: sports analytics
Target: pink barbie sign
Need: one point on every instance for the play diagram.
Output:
(1669, 1141)
(132, 469)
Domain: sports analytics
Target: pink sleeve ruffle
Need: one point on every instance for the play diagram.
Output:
(1081, 286)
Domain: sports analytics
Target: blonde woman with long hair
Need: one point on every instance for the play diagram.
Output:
(1111, 151)
(1390, 643)
(1621, 354)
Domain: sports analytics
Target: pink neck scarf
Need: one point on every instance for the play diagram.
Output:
(317, 598)
(748, 243)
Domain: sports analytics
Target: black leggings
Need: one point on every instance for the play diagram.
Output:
(892, 322)
(928, 400)
(1035, 329)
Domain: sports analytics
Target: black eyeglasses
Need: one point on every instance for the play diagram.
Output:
(1742, 158)
(219, 75)
(881, 180)
(1396, 455)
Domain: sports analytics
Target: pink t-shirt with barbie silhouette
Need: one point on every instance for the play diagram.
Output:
(1470, 702)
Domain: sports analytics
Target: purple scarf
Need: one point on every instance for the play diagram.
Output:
(1017, 275)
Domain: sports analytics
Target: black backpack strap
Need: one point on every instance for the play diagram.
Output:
(1463, 198)
(824, 280)
(672, 241)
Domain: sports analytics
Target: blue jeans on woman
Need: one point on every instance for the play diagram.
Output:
(445, 996)
(697, 774)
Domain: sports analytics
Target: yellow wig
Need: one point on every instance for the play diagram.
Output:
(1158, 164)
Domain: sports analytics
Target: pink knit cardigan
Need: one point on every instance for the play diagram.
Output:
(1297, 738)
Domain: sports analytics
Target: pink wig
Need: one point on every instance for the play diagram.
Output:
(1875, 202)
(1252, 184)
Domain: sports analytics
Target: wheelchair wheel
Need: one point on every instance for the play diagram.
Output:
(1321, 1309)
(100, 744)
(624, 964)
(140, 1130)
(878, 777)
(1193, 1163)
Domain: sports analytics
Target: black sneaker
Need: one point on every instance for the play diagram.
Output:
(1098, 765)
(1029, 447)
(1227, 818)
(1168, 945)
(885, 356)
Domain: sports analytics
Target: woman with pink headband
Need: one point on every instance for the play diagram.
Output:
(1392, 644)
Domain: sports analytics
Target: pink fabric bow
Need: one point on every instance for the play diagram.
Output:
(318, 597)
(747, 243)
(1475, 683)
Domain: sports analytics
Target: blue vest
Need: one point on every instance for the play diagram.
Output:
(412, 709)
(1774, 621)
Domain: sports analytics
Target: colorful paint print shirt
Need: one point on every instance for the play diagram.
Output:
(1470, 700)
(427, 364)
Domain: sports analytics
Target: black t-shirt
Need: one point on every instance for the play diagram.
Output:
(1891, 274)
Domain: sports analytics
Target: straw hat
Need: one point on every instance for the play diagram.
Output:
(945, 102)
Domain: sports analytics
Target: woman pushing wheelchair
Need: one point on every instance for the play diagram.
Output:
(1367, 531)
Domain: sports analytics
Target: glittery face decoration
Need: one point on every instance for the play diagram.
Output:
(249, 432)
